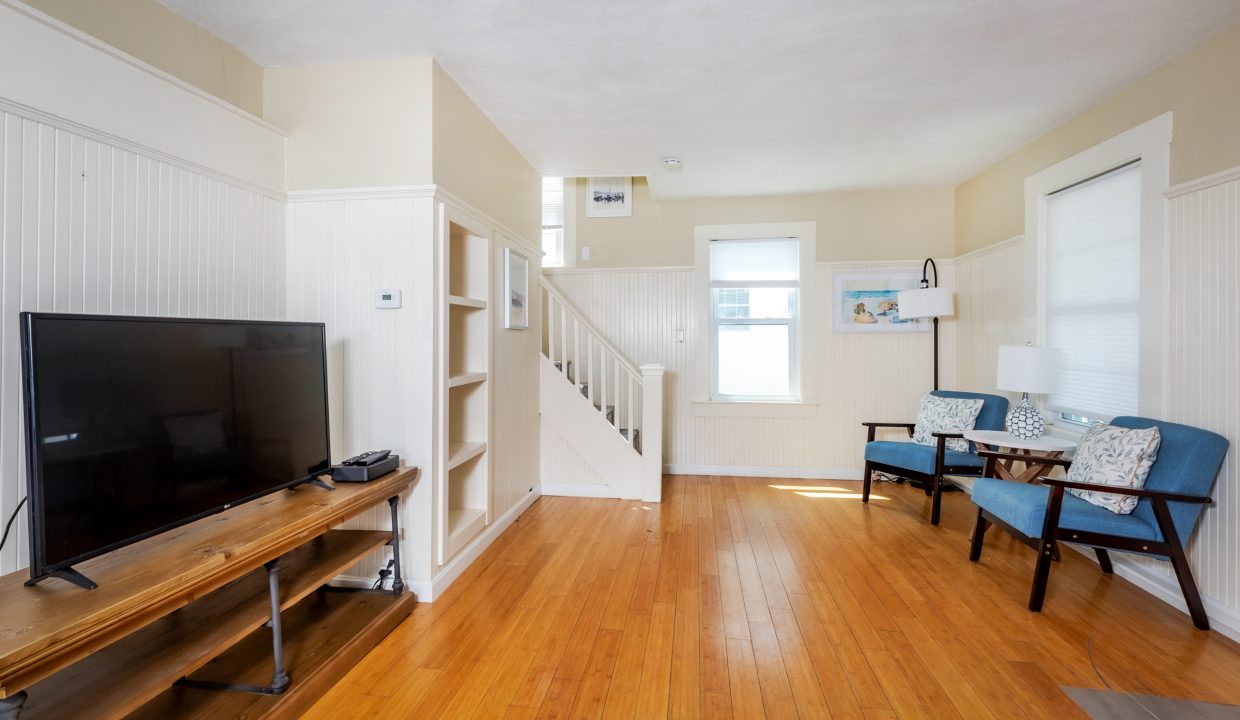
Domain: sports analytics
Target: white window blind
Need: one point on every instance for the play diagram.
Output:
(753, 286)
(553, 221)
(1093, 291)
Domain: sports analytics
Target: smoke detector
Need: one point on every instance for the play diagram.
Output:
(671, 164)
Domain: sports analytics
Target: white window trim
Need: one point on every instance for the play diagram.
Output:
(807, 317)
(1151, 143)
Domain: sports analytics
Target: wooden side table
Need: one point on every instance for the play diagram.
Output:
(1045, 447)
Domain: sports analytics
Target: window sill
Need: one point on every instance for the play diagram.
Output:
(712, 408)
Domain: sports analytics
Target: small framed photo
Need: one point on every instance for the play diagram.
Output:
(516, 290)
(609, 197)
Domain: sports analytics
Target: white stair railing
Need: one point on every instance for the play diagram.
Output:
(629, 398)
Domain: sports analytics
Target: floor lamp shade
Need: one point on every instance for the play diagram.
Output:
(926, 302)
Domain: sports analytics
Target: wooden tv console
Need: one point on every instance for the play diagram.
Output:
(179, 625)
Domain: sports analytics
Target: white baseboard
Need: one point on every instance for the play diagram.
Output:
(799, 473)
(427, 591)
(585, 491)
(450, 572)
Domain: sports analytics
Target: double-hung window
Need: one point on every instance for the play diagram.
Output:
(553, 221)
(1093, 294)
(754, 308)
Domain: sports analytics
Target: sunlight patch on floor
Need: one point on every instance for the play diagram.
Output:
(825, 492)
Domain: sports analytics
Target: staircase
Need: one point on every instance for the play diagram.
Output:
(607, 408)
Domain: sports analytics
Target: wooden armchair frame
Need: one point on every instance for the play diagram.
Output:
(1046, 546)
(933, 482)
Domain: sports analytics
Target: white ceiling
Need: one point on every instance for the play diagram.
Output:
(756, 96)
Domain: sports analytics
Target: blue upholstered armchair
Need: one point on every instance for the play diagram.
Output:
(927, 463)
(1177, 489)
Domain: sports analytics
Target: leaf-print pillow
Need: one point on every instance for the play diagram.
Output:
(946, 415)
(1110, 455)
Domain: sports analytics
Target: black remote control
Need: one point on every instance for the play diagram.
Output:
(367, 458)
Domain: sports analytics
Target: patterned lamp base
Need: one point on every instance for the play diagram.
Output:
(1024, 421)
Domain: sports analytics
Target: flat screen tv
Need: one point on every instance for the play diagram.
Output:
(138, 425)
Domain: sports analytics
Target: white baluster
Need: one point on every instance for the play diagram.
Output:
(616, 380)
(576, 350)
(602, 380)
(629, 409)
(551, 328)
(590, 389)
(564, 340)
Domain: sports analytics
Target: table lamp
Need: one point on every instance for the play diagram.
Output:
(928, 302)
(1026, 369)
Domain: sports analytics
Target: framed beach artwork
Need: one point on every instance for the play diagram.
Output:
(516, 290)
(868, 303)
(609, 197)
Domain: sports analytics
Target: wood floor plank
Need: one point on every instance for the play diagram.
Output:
(740, 598)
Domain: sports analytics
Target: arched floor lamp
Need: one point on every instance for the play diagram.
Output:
(928, 302)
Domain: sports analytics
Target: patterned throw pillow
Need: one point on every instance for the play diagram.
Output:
(949, 415)
(1110, 455)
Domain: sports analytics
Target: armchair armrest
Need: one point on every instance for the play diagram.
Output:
(945, 436)
(872, 426)
(1062, 462)
(1117, 490)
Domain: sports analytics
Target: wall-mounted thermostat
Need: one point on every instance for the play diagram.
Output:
(387, 299)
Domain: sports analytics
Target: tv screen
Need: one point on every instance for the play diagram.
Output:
(137, 425)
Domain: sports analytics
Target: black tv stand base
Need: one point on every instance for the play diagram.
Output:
(319, 483)
(68, 575)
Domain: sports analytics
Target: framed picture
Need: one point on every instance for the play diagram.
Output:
(609, 197)
(868, 303)
(516, 290)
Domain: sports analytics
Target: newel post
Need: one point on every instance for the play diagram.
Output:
(652, 433)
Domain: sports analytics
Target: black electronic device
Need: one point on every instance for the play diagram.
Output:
(137, 425)
(369, 457)
(366, 473)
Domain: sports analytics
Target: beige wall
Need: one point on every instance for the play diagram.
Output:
(156, 35)
(475, 162)
(353, 125)
(1202, 89)
(861, 225)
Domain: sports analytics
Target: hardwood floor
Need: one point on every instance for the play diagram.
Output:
(748, 598)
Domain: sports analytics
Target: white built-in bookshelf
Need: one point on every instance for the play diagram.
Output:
(464, 480)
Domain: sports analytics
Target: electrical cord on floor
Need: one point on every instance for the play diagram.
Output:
(1089, 652)
(9, 525)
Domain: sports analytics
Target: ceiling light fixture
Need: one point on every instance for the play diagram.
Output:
(671, 164)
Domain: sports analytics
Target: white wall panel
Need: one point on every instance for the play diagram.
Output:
(560, 463)
(86, 226)
(988, 310)
(857, 376)
(379, 361)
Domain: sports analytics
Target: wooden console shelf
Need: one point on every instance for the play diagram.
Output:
(195, 601)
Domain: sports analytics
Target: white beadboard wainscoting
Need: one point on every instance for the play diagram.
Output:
(988, 310)
(856, 376)
(88, 226)
(1203, 366)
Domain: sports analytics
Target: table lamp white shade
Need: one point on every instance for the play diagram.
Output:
(1027, 369)
(926, 302)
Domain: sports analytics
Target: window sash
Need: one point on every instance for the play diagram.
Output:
(792, 323)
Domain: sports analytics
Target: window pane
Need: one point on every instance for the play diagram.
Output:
(763, 303)
(553, 202)
(753, 360)
(553, 246)
(733, 260)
